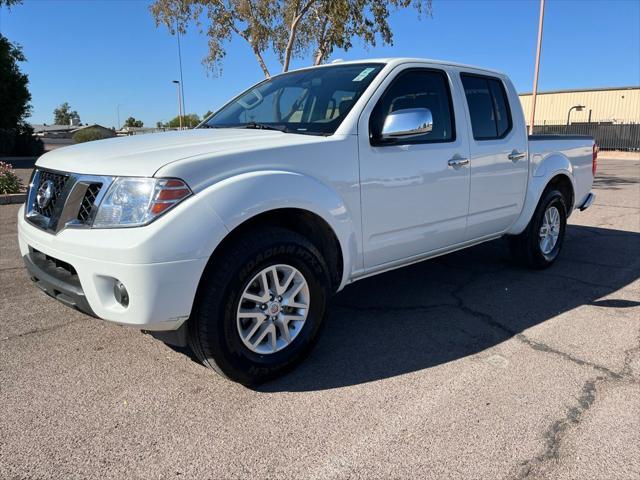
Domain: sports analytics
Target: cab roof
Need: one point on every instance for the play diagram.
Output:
(393, 61)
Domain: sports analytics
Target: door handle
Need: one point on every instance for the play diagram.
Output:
(516, 155)
(458, 162)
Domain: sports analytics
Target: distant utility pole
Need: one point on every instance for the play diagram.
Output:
(177, 82)
(537, 69)
(184, 109)
(118, 114)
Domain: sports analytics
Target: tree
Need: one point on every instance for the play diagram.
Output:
(132, 122)
(189, 121)
(9, 3)
(63, 115)
(292, 28)
(14, 94)
(16, 136)
(206, 115)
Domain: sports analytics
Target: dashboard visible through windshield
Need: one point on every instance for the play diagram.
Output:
(312, 101)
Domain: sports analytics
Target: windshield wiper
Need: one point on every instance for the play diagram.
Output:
(263, 126)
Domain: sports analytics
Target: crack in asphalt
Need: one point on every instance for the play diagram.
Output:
(543, 347)
(534, 344)
(557, 430)
(595, 264)
(555, 433)
(40, 330)
(577, 280)
(384, 309)
(8, 269)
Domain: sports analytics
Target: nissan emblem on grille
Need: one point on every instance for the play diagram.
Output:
(59, 200)
(45, 194)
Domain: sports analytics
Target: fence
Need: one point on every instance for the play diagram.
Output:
(607, 136)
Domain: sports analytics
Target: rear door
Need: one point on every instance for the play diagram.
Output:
(415, 191)
(498, 149)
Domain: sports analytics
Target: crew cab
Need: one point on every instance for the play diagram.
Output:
(231, 237)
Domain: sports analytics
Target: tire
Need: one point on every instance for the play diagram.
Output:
(527, 248)
(220, 338)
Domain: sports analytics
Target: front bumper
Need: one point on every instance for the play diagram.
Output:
(80, 269)
(57, 282)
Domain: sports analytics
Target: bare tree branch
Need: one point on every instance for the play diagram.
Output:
(293, 31)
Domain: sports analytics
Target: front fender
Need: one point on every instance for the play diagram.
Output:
(241, 197)
(544, 169)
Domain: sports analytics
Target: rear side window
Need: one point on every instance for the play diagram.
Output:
(488, 106)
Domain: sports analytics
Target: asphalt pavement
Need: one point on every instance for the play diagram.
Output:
(466, 366)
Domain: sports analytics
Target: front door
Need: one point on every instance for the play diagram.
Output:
(415, 191)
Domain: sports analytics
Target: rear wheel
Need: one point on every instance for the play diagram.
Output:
(540, 243)
(260, 306)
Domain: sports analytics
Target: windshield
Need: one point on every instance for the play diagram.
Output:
(313, 101)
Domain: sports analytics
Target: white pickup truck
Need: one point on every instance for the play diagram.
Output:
(232, 236)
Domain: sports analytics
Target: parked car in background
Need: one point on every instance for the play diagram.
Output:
(231, 237)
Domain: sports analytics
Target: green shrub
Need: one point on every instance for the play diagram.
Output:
(9, 181)
(90, 134)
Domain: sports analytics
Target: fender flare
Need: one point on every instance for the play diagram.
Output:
(237, 199)
(543, 171)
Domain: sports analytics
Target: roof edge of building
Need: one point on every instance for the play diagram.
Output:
(572, 90)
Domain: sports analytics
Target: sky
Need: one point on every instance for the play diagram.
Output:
(105, 56)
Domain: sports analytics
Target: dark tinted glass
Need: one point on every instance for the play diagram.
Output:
(480, 104)
(488, 107)
(313, 101)
(417, 89)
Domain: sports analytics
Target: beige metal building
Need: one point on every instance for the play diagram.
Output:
(616, 105)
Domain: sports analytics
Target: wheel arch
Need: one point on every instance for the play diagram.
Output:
(561, 178)
(564, 184)
(295, 201)
(304, 222)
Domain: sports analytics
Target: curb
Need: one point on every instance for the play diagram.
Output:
(12, 198)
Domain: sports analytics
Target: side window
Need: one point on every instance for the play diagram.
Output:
(488, 106)
(417, 89)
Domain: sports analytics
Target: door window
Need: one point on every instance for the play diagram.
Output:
(417, 88)
(488, 106)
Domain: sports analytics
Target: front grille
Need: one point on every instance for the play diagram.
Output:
(68, 200)
(59, 181)
(88, 202)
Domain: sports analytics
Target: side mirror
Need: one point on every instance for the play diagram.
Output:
(407, 123)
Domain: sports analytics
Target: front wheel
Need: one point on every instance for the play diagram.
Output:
(540, 243)
(260, 306)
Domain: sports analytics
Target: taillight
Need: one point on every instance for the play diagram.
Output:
(594, 160)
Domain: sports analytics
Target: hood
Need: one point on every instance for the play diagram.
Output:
(143, 155)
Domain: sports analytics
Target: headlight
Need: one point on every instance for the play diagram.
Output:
(133, 201)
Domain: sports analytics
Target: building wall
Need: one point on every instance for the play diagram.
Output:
(607, 105)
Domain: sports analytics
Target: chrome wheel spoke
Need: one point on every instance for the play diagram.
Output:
(294, 318)
(257, 324)
(283, 326)
(265, 329)
(287, 282)
(290, 297)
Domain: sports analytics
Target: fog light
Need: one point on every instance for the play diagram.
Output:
(121, 294)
